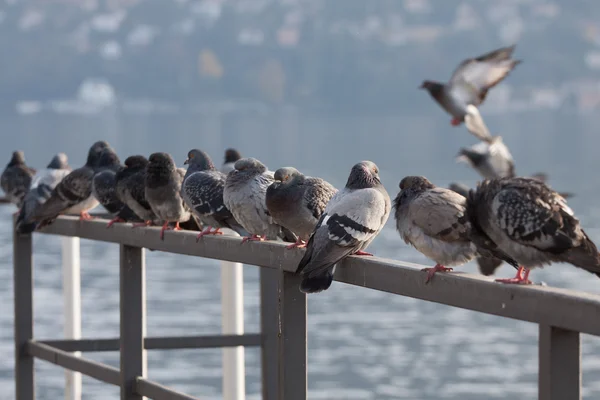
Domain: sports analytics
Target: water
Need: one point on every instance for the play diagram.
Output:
(363, 344)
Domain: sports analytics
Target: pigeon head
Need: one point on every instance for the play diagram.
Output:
(163, 160)
(459, 188)
(95, 152)
(250, 165)
(59, 161)
(365, 174)
(471, 157)
(286, 173)
(18, 158)
(108, 159)
(136, 161)
(415, 183)
(199, 160)
(232, 155)
(434, 88)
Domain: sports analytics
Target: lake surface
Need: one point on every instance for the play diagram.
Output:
(363, 344)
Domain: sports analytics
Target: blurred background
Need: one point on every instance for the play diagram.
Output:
(319, 85)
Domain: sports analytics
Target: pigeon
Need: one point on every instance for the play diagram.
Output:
(16, 179)
(130, 185)
(163, 191)
(459, 188)
(296, 202)
(350, 222)
(202, 191)
(104, 189)
(531, 224)
(231, 156)
(73, 195)
(433, 220)
(490, 157)
(42, 184)
(471, 81)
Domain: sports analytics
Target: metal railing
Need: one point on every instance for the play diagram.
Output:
(561, 314)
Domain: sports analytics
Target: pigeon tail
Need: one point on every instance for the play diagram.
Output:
(585, 256)
(22, 226)
(317, 283)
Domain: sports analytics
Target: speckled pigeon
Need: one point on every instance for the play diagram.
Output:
(73, 195)
(231, 156)
(531, 223)
(131, 190)
(350, 222)
(42, 184)
(471, 81)
(16, 179)
(163, 191)
(296, 202)
(202, 191)
(433, 220)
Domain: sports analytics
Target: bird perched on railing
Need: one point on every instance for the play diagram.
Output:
(104, 189)
(231, 156)
(163, 191)
(296, 202)
(244, 195)
(530, 223)
(202, 191)
(16, 179)
(43, 183)
(471, 81)
(433, 220)
(352, 219)
(73, 195)
(131, 190)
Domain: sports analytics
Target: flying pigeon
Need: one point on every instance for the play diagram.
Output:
(350, 222)
(16, 179)
(471, 81)
(433, 220)
(231, 156)
(130, 185)
(296, 202)
(202, 191)
(163, 191)
(42, 184)
(530, 223)
(73, 195)
(104, 189)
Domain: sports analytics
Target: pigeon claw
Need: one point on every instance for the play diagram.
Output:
(164, 228)
(300, 244)
(85, 216)
(208, 231)
(253, 238)
(431, 271)
(522, 278)
(114, 221)
(362, 253)
(140, 224)
(455, 122)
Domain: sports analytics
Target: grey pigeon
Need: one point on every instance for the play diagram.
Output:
(163, 191)
(433, 220)
(131, 190)
(16, 179)
(459, 188)
(530, 223)
(350, 222)
(73, 195)
(104, 189)
(296, 202)
(42, 184)
(244, 195)
(202, 191)
(471, 81)
(231, 156)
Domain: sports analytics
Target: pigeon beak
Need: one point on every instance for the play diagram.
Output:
(186, 162)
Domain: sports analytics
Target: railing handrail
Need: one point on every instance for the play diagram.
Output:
(562, 308)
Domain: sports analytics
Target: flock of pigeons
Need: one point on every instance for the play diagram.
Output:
(517, 220)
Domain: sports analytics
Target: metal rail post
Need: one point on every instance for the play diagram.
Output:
(71, 280)
(560, 364)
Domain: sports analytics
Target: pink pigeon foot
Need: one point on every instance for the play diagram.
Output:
(431, 271)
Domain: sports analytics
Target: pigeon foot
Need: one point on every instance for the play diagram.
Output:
(85, 216)
(165, 227)
(253, 238)
(140, 224)
(208, 231)
(455, 122)
(300, 244)
(522, 278)
(114, 221)
(431, 271)
(362, 253)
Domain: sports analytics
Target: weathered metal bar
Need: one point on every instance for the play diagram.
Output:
(101, 372)
(159, 392)
(560, 364)
(160, 343)
(72, 307)
(133, 319)
(23, 304)
(561, 308)
(271, 331)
